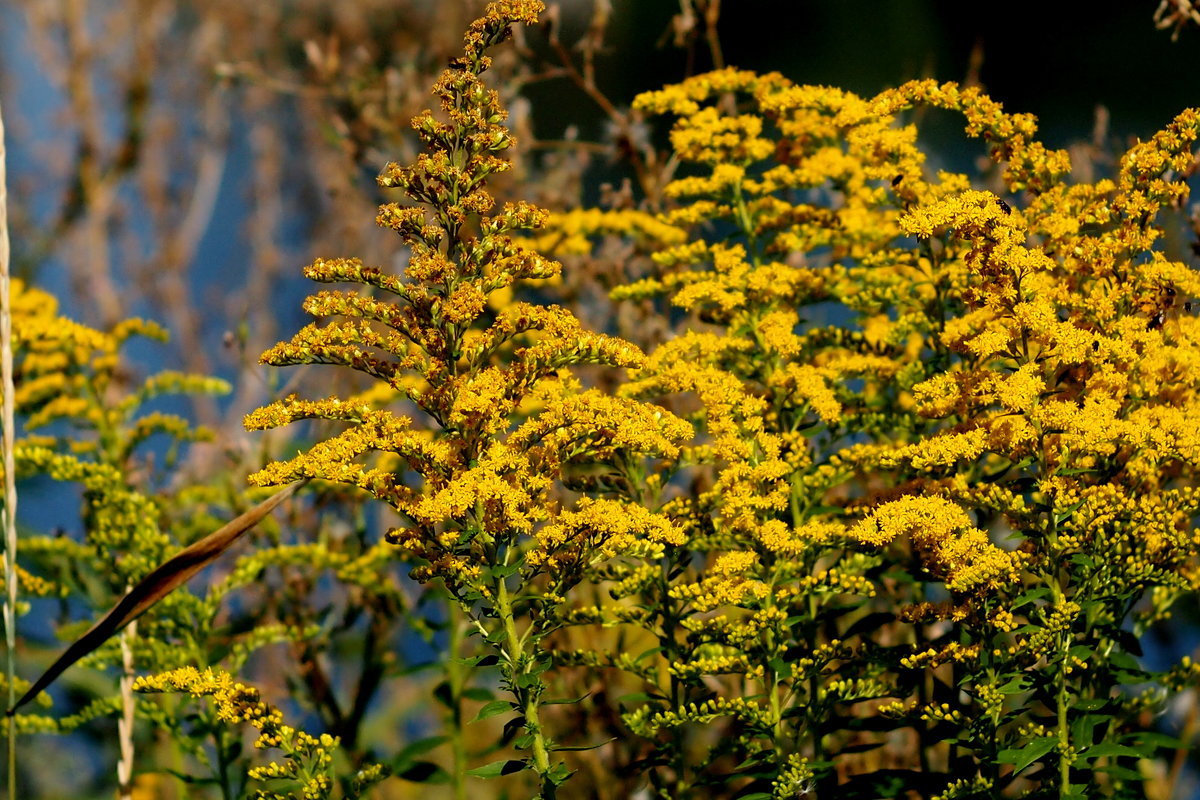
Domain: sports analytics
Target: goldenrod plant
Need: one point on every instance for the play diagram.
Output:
(953, 477)
(884, 503)
(505, 423)
(70, 382)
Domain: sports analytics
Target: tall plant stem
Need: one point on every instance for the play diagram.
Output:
(10, 479)
(456, 676)
(1064, 732)
(125, 723)
(529, 695)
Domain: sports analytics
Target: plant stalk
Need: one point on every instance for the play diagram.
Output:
(125, 723)
(8, 433)
(527, 696)
(456, 676)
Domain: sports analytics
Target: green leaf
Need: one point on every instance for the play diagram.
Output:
(478, 694)
(559, 774)
(1062, 516)
(494, 708)
(566, 701)
(497, 769)
(470, 661)
(1081, 651)
(1084, 726)
(1022, 757)
(1015, 686)
(423, 772)
(869, 622)
(1027, 597)
(186, 778)
(641, 697)
(418, 747)
(560, 748)
(651, 652)
(1090, 703)
(527, 679)
(1108, 750)
(1117, 771)
(1083, 560)
(1154, 740)
(504, 570)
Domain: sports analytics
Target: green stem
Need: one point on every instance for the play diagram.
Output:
(671, 656)
(1064, 733)
(222, 765)
(456, 676)
(746, 223)
(527, 696)
(811, 712)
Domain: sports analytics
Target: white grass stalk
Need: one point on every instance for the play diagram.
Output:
(125, 723)
(7, 431)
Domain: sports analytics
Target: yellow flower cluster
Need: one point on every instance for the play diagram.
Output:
(943, 531)
(952, 653)
(308, 759)
(602, 529)
(510, 422)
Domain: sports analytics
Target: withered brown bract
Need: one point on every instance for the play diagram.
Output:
(154, 587)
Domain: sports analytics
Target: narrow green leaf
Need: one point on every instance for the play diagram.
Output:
(424, 772)
(503, 570)
(1065, 514)
(1022, 757)
(641, 697)
(1108, 750)
(497, 769)
(418, 747)
(1154, 739)
(494, 708)
(559, 748)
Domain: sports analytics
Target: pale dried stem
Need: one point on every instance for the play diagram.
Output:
(125, 723)
(8, 432)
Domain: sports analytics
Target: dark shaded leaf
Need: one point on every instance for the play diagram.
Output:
(424, 772)
(1108, 750)
(497, 769)
(1022, 757)
(889, 783)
